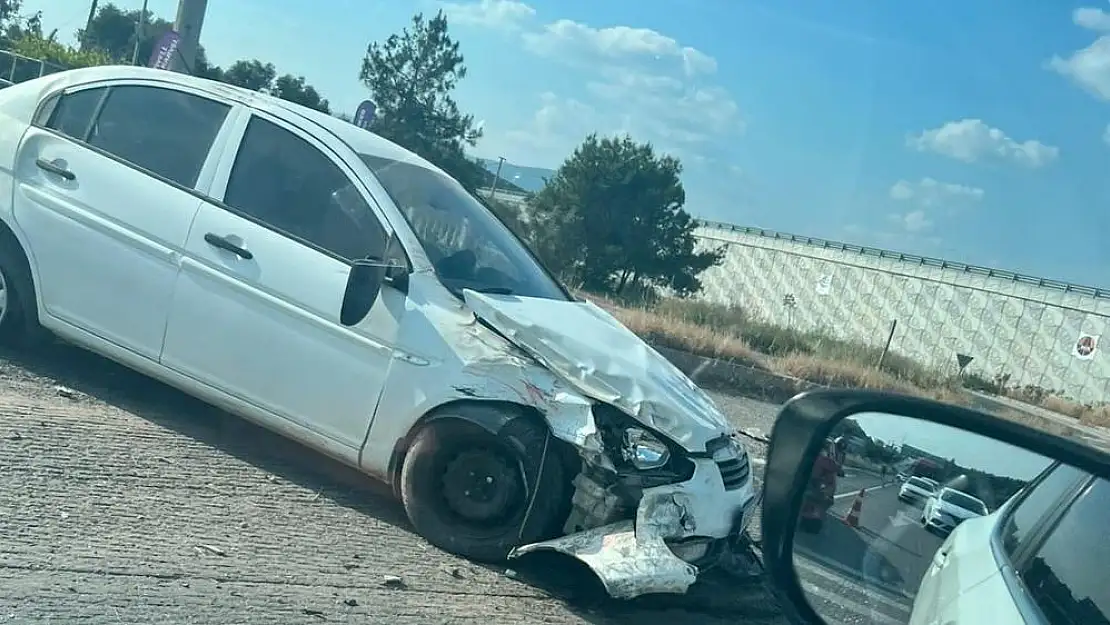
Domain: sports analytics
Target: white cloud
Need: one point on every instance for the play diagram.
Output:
(929, 192)
(505, 14)
(637, 81)
(1091, 19)
(915, 221)
(971, 140)
(565, 39)
(1088, 67)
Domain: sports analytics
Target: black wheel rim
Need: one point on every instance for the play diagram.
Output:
(482, 486)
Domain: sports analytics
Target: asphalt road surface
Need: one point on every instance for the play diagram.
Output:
(869, 573)
(124, 501)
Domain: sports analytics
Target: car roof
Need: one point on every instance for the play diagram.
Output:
(358, 139)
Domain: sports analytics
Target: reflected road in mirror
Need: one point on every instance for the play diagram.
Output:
(885, 494)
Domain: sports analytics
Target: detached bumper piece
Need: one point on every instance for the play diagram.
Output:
(633, 558)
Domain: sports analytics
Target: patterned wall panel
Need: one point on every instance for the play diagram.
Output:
(1023, 326)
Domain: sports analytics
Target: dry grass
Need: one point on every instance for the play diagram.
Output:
(729, 334)
(678, 333)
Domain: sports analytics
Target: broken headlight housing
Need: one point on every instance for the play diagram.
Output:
(643, 450)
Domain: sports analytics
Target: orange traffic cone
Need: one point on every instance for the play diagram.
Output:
(852, 520)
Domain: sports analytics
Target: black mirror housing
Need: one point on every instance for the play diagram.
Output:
(806, 428)
(363, 285)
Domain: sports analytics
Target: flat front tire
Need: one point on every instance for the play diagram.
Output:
(479, 495)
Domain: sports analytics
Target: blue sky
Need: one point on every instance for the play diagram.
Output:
(967, 449)
(973, 131)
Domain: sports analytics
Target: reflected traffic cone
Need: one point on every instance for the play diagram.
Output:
(852, 520)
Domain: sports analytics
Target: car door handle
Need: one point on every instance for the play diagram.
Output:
(57, 170)
(223, 243)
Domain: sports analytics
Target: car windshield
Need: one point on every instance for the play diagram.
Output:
(964, 501)
(921, 483)
(468, 246)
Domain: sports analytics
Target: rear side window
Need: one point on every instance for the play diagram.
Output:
(1037, 504)
(164, 131)
(1066, 577)
(73, 113)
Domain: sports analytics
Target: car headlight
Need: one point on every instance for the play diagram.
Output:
(644, 451)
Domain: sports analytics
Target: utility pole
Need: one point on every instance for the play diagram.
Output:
(88, 24)
(190, 18)
(497, 176)
(140, 26)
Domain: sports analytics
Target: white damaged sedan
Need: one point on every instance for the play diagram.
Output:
(323, 282)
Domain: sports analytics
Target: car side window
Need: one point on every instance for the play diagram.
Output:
(1038, 503)
(73, 113)
(164, 131)
(1066, 576)
(286, 182)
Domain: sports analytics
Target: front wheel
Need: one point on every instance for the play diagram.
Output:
(479, 495)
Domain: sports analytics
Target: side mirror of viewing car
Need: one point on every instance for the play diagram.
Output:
(364, 283)
(995, 519)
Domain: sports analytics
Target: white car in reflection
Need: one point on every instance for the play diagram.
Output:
(1040, 558)
(917, 489)
(948, 508)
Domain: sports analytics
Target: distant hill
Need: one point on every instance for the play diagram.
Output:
(528, 179)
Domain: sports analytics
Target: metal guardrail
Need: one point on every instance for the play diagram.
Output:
(1058, 285)
(16, 68)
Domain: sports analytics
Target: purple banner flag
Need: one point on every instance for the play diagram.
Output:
(162, 56)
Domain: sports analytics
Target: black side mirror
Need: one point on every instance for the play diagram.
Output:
(363, 285)
(844, 540)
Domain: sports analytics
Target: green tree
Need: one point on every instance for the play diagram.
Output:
(258, 76)
(612, 220)
(113, 30)
(58, 54)
(412, 76)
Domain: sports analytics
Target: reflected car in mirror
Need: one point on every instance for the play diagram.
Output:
(1010, 529)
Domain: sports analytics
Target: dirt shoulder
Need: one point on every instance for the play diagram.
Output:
(126, 501)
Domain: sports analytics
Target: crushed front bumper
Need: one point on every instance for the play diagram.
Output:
(678, 531)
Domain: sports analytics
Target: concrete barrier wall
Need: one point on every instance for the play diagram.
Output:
(1023, 326)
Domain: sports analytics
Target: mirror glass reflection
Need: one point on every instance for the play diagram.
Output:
(912, 522)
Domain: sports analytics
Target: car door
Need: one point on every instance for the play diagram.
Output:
(105, 195)
(256, 309)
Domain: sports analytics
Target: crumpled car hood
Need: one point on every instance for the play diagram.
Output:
(600, 358)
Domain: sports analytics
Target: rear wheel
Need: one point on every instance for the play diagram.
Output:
(479, 495)
(19, 324)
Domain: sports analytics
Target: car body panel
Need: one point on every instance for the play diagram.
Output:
(965, 583)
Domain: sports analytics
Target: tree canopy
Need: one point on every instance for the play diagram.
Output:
(112, 32)
(411, 76)
(612, 220)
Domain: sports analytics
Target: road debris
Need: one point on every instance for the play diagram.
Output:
(65, 391)
(393, 581)
(212, 549)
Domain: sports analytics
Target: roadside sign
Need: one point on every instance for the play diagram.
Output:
(364, 114)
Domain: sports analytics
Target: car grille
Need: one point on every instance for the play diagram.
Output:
(732, 462)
